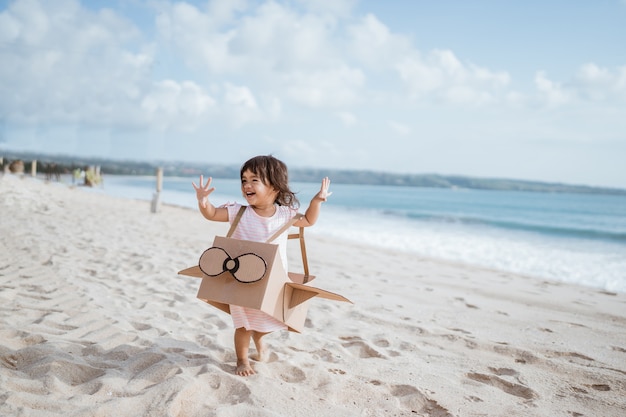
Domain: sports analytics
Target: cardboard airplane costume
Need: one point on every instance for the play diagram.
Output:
(251, 274)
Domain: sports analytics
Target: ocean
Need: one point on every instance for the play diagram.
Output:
(574, 238)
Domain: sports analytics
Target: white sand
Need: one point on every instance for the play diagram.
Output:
(95, 321)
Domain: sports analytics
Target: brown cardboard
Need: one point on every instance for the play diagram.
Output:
(251, 274)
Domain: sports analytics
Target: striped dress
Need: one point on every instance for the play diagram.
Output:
(258, 229)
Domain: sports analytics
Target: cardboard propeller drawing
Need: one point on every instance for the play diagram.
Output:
(251, 274)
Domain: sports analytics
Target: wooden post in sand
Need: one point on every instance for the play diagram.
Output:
(156, 198)
(159, 180)
(33, 168)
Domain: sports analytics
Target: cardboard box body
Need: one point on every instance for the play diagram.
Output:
(251, 274)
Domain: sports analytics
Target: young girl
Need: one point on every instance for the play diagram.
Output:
(271, 204)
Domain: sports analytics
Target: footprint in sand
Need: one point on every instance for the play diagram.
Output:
(225, 389)
(417, 402)
(171, 315)
(292, 374)
(360, 348)
(140, 326)
(509, 387)
(468, 305)
(325, 355)
(383, 343)
(504, 371)
(42, 361)
(574, 355)
(150, 368)
(142, 361)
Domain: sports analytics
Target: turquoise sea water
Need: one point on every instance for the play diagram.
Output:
(573, 238)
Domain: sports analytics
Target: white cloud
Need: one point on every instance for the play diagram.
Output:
(278, 38)
(287, 57)
(331, 7)
(399, 128)
(274, 47)
(441, 76)
(348, 119)
(420, 77)
(601, 84)
(68, 65)
(195, 36)
(332, 88)
(240, 106)
(269, 38)
(551, 92)
(170, 103)
(10, 28)
(372, 43)
(239, 96)
(591, 84)
(225, 11)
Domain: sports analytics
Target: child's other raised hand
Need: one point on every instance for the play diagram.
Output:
(203, 190)
(323, 194)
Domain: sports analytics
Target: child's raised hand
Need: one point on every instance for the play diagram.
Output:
(323, 194)
(203, 191)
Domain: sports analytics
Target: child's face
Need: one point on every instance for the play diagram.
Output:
(255, 191)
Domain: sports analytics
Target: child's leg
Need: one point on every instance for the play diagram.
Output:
(261, 349)
(242, 344)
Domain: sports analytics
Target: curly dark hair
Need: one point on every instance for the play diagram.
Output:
(273, 172)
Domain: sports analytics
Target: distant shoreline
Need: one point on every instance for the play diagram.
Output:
(66, 164)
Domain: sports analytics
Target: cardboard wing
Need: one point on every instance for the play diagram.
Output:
(251, 274)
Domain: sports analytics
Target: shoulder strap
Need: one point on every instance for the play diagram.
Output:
(279, 232)
(235, 222)
(286, 226)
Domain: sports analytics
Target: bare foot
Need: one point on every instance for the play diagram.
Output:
(244, 368)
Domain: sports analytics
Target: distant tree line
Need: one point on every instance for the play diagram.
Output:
(67, 164)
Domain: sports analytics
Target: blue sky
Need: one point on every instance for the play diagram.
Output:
(528, 90)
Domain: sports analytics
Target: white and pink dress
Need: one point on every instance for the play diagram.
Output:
(258, 229)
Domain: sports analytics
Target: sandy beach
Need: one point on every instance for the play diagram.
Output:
(95, 321)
